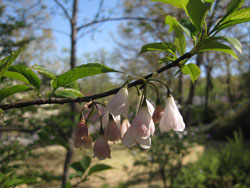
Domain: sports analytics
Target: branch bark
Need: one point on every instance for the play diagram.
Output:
(63, 9)
(115, 19)
(92, 97)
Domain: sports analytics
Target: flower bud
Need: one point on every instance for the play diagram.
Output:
(158, 113)
(81, 129)
(112, 132)
(101, 148)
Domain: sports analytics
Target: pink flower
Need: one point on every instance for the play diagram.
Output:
(171, 118)
(81, 129)
(158, 113)
(130, 139)
(151, 110)
(111, 131)
(101, 148)
(124, 127)
(141, 123)
(119, 104)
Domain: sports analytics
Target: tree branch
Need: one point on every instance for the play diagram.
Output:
(63, 9)
(92, 97)
(19, 129)
(115, 19)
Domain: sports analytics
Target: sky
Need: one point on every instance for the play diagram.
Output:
(89, 42)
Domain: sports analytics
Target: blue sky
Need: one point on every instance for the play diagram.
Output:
(89, 42)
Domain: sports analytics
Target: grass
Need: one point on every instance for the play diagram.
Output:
(51, 159)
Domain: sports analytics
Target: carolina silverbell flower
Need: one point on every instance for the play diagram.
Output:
(119, 104)
(124, 127)
(151, 110)
(82, 136)
(101, 148)
(130, 139)
(111, 131)
(158, 111)
(171, 118)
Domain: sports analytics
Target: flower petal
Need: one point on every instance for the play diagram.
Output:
(129, 137)
(119, 104)
(144, 143)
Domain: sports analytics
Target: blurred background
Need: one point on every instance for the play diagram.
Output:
(36, 142)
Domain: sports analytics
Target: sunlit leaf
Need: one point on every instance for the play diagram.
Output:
(167, 59)
(176, 3)
(6, 62)
(43, 71)
(161, 46)
(193, 70)
(28, 74)
(236, 17)
(68, 93)
(217, 46)
(81, 72)
(179, 41)
(16, 76)
(98, 168)
(6, 92)
(73, 85)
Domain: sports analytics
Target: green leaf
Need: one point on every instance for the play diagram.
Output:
(19, 181)
(161, 46)
(176, 3)
(68, 93)
(188, 27)
(53, 83)
(81, 72)
(234, 42)
(6, 62)
(78, 167)
(43, 71)
(179, 41)
(217, 46)
(73, 85)
(5, 92)
(196, 10)
(85, 162)
(167, 59)
(236, 17)
(233, 5)
(81, 166)
(28, 74)
(16, 76)
(98, 168)
(68, 185)
(192, 69)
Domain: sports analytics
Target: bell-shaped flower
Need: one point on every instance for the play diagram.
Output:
(124, 127)
(158, 113)
(101, 148)
(111, 130)
(119, 104)
(171, 118)
(151, 110)
(142, 122)
(81, 129)
(130, 139)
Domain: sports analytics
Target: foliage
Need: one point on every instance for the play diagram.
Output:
(226, 167)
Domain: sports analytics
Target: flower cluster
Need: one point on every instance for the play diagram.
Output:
(139, 132)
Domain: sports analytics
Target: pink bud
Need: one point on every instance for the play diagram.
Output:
(158, 113)
(112, 132)
(101, 148)
(81, 129)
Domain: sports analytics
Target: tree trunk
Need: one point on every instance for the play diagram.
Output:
(229, 93)
(208, 83)
(189, 102)
(69, 150)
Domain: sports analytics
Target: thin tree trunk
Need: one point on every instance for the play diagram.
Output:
(208, 83)
(163, 176)
(69, 150)
(229, 93)
(189, 102)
